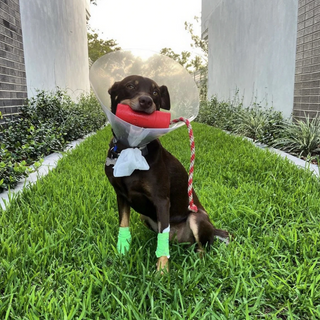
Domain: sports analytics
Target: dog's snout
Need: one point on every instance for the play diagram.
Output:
(145, 102)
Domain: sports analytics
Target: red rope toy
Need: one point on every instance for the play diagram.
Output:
(192, 206)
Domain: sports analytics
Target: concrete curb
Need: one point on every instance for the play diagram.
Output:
(298, 162)
(49, 163)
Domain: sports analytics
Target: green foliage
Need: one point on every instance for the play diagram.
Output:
(182, 58)
(255, 122)
(58, 257)
(260, 124)
(46, 124)
(22, 144)
(197, 41)
(301, 138)
(90, 108)
(98, 47)
(266, 125)
(198, 62)
(194, 66)
(223, 115)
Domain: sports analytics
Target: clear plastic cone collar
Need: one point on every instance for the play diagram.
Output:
(115, 66)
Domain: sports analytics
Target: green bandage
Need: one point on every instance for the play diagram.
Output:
(163, 245)
(124, 239)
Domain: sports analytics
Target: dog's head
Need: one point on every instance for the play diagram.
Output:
(140, 93)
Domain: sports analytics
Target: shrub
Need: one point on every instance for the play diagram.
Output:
(46, 124)
(91, 108)
(301, 138)
(219, 114)
(261, 124)
(74, 120)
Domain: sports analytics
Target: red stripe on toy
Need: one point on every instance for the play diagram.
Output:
(192, 206)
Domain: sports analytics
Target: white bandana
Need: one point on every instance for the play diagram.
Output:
(129, 160)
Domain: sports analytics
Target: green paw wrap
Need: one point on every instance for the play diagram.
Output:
(163, 245)
(124, 239)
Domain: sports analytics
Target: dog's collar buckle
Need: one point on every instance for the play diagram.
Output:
(114, 153)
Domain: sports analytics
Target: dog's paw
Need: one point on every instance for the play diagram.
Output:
(124, 240)
(201, 252)
(223, 236)
(163, 264)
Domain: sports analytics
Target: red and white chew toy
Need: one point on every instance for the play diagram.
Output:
(192, 206)
(159, 119)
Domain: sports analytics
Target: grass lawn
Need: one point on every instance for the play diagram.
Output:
(58, 256)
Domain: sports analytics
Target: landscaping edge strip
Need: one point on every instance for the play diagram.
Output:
(50, 162)
(298, 162)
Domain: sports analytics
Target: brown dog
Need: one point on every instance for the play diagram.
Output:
(159, 194)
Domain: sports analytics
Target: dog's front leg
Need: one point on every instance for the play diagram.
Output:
(124, 237)
(163, 216)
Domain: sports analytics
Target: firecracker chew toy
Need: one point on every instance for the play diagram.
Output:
(157, 119)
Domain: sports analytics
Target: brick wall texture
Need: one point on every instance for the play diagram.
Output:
(307, 77)
(13, 88)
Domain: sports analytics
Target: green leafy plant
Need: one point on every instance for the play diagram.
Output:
(74, 120)
(260, 124)
(90, 107)
(46, 124)
(250, 123)
(219, 114)
(98, 47)
(301, 137)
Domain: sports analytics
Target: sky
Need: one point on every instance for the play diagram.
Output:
(146, 24)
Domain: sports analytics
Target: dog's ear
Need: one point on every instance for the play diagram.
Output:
(114, 88)
(165, 98)
(113, 93)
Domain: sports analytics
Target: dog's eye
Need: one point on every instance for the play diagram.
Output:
(130, 86)
(155, 93)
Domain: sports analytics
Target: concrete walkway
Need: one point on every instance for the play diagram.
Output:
(51, 161)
